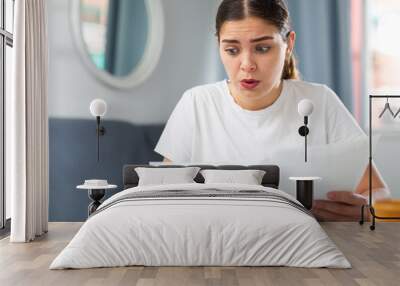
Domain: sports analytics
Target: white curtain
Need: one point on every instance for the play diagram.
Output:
(27, 123)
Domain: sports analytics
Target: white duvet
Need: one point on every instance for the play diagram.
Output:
(200, 231)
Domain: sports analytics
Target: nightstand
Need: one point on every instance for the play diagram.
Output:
(96, 191)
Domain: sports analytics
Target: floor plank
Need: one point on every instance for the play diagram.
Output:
(374, 255)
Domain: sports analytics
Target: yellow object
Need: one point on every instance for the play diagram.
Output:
(387, 208)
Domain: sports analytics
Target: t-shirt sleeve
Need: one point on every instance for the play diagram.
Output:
(341, 125)
(175, 142)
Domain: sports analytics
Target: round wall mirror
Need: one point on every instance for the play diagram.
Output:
(119, 40)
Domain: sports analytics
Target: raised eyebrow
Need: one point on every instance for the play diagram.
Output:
(261, 39)
(229, 41)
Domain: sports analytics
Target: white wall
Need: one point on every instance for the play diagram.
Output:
(189, 57)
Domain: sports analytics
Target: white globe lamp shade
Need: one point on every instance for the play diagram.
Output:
(305, 107)
(98, 107)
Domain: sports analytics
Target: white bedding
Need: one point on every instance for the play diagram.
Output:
(200, 231)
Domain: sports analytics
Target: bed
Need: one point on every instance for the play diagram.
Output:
(199, 224)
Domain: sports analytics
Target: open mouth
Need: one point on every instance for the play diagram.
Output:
(249, 83)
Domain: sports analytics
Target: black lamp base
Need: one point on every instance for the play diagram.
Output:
(305, 192)
(95, 195)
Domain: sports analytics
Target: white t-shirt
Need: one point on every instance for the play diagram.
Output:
(208, 126)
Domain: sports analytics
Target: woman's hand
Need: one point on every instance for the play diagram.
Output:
(340, 206)
(346, 205)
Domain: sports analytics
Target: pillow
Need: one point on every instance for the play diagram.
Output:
(248, 177)
(163, 176)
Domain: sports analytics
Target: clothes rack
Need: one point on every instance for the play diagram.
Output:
(369, 205)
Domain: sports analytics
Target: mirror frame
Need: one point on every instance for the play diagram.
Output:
(147, 63)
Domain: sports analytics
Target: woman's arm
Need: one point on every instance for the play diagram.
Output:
(346, 205)
(166, 160)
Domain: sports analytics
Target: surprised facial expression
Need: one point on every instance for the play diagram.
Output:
(253, 53)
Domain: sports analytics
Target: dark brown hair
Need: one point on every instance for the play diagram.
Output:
(274, 12)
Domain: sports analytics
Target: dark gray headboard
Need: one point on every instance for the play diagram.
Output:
(270, 179)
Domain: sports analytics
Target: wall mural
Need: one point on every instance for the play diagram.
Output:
(84, 66)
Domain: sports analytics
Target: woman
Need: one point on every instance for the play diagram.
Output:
(244, 119)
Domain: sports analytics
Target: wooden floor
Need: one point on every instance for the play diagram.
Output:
(375, 257)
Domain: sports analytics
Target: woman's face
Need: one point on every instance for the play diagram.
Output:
(253, 53)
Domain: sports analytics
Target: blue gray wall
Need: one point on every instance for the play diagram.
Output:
(73, 158)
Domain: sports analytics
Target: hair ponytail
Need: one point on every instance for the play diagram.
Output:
(290, 70)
